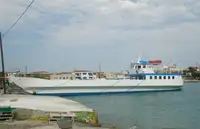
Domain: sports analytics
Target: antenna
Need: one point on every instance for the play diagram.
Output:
(139, 58)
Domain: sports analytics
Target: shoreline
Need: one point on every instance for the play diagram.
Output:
(191, 81)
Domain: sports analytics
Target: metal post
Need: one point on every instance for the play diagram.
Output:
(25, 71)
(2, 62)
(99, 70)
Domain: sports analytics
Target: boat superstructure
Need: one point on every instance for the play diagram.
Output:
(141, 78)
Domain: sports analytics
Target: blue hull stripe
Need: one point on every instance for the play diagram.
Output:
(104, 93)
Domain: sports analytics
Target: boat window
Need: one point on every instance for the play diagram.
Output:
(144, 66)
(84, 78)
(150, 77)
(164, 77)
(84, 73)
(160, 77)
(168, 77)
(59, 77)
(155, 77)
(63, 77)
(172, 77)
(139, 67)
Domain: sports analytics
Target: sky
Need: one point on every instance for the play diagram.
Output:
(63, 35)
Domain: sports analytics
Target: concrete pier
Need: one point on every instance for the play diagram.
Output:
(35, 112)
(41, 125)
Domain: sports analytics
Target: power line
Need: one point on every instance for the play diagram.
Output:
(18, 19)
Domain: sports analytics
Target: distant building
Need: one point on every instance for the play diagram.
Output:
(99, 74)
(109, 76)
(63, 75)
(76, 74)
(169, 69)
(40, 74)
(84, 74)
(114, 75)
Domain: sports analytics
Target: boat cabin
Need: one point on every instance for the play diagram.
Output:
(143, 70)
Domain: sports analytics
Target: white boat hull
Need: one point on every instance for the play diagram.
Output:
(94, 87)
(100, 92)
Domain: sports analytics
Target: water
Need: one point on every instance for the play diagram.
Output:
(161, 110)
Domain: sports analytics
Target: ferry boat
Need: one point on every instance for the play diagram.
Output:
(141, 78)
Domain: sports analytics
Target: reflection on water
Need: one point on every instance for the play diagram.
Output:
(161, 110)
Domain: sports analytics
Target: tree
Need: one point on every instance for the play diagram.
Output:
(192, 69)
(196, 75)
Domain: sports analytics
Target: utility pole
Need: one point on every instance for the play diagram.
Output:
(26, 71)
(2, 62)
(99, 70)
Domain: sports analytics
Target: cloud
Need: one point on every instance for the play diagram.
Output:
(158, 28)
(104, 21)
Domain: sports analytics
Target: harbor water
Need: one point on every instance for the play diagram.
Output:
(160, 110)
